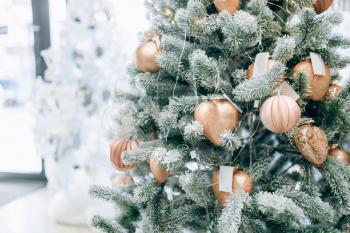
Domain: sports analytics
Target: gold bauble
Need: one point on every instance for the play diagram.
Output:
(117, 150)
(322, 5)
(216, 116)
(146, 56)
(280, 113)
(333, 91)
(122, 180)
(270, 64)
(318, 84)
(312, 143)
(229, 5)
(240, 181)
(340, 154)
(160, 174)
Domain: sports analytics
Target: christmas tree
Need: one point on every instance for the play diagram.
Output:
(241, 122)
(72, 102)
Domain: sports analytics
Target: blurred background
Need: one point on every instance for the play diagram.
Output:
(51, 50)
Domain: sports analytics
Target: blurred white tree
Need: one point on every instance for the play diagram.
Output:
(73, 104)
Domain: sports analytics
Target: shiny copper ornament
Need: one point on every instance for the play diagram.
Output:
(340, 154)
(229, 5)
(312, 143)
(333, 91)
(240, 180)
(122, 180)
(146, 55)
(322, 5)
(280, 113)
(319, 84)
(160, 174)
(216, 116)
(117, 150)
(270, 64)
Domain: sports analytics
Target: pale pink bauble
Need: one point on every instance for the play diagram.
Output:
(280, 113)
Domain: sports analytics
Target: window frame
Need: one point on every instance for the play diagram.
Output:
(42, 41)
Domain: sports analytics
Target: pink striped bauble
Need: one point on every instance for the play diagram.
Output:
(280, 113)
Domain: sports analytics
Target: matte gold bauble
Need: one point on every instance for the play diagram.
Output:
(240, 180)
(319, 84)
(117, 150)
(270, 64)
(312, 143)
(340, 154)
(322, 5)
(160, 174)
(229, 5)
(122, 180)
(146, 55)
(333, 91)
(216, 116)
(280, 113)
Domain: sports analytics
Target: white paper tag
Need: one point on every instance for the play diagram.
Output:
(236, 106)
(193, 166)
(256, 103)
(193, 154)
(260, 64)
(318, 64)
(225, 179)
(286, 89)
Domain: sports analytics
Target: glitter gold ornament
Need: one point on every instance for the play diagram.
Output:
(340, 154)
(216, 116)
(229, 5)
(318, 84)
(240, 180)
(117, 150)
(270, 64)
(146, 55)
(333, 91)
(160, 174)
(322, 5)
(312, 143)
(280, 113)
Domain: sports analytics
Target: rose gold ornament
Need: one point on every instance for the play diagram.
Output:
(322, 5)
(117, 150)
(229, 5)
(146, 55)
(216, 116)
(240, 180)
(270, 64)
(312, 143)
(122, 180)
(318, 84)
(340, 154)
(280, 113)
(333, 91)
(160, 174)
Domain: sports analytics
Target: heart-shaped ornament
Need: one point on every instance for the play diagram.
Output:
(216, 116)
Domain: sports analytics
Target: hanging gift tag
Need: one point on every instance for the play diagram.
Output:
(260, 64)
(317, 64)
(193, 154)
(256, 103)
(236, 106)
(225, 179)
(192, 166)
(286, 89)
